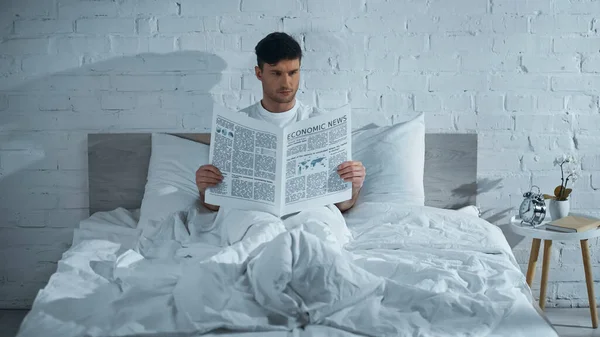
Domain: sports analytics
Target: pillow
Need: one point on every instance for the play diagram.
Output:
(171, 183)
(394, 157)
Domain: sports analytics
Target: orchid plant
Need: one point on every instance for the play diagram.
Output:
(569, 166)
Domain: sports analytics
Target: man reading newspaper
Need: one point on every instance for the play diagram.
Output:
(279, 57)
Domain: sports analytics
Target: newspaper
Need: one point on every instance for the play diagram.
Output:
(279, 170)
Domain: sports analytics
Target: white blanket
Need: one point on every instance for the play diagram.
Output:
(408, 272)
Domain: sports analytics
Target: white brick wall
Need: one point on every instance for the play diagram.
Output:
(523, 75)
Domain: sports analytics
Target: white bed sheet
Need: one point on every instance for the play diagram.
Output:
(411, 245)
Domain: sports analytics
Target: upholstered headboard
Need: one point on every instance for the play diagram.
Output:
(118, 166)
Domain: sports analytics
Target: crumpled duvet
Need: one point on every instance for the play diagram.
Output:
(408, 272)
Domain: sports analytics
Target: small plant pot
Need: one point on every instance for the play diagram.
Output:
(559, 208)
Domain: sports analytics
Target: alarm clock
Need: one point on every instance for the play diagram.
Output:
(533, 208)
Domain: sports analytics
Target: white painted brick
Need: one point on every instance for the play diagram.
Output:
(521, 103)
(236, 101)
(43, 27)
(521, 7)
(489, 62)
(106, 26)
(381, 61)
(443, 82)
(203, 82)
(576, 7)
(80, 45)
(588, 123)
(427, 102)
(550, 64)
(85, 103)
(590, 162)
(375, 24)
(162, 45)
(503, 161)
(456, 102)
(522, 43)
(560, 24)
(54, 103)
(144, 82)
(282, 7)
(495, 141)
(591, 64)
(575, 83)
(40, 64)
(449, 24)
(3, 102)
(147, 8)
(129, 45)
(365, 100)
(464, 7)
(336, 7)
(595, 180)
(489, 102)
(146, 26)
(10, 218)
(396, 7)
(210, 42)
(144, 120)
(518, 82)
(362, 117)
(30, 9)
(76, 200)
(495, 122)
(561, 142)
(541, 123)
(585, 200)
(386, 81)
(334, 42)
(313, 24)
(570, 45)
(250, 82)
(460, 43)
(169, 25)
(587, 143)
(249, 23)
(185, 101)
(539, 162)
(31, 159)
(439, 122)
(196, 122)
(393, 104)
(87, 9)
(350, 61)
(317, 61)
(331, 99)
(24, 46)
(334, 81)
(465, 121)
(194, 7)
(7, 65)
(550, 102)
(403, 45)
(48, 237)
(511, 24)
(429, 63)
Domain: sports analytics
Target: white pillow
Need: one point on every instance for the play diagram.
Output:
(171, 183)
(394, 158)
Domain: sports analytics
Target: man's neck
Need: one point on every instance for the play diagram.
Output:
(275, 107)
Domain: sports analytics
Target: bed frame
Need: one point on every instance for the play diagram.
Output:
(118, 166)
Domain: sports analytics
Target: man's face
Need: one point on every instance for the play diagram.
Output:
(280, 81)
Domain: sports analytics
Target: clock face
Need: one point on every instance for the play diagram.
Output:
(526, 211)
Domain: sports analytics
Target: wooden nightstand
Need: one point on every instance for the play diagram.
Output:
(540, 233)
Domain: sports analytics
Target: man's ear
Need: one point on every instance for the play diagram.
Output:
(258, 72)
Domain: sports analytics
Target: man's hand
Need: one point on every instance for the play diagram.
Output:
(207, 176)
(355, 172)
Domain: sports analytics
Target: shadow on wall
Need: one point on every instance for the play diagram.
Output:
(44, 123)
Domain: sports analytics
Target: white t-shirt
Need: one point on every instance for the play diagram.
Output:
(299, 112)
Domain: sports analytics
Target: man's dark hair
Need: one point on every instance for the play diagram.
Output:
(276, 47)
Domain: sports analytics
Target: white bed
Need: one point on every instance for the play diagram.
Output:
(448, 258)
(409, 270)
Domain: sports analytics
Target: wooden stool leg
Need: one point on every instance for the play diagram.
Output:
(589, 280)
(545, 269)
(533, 257)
